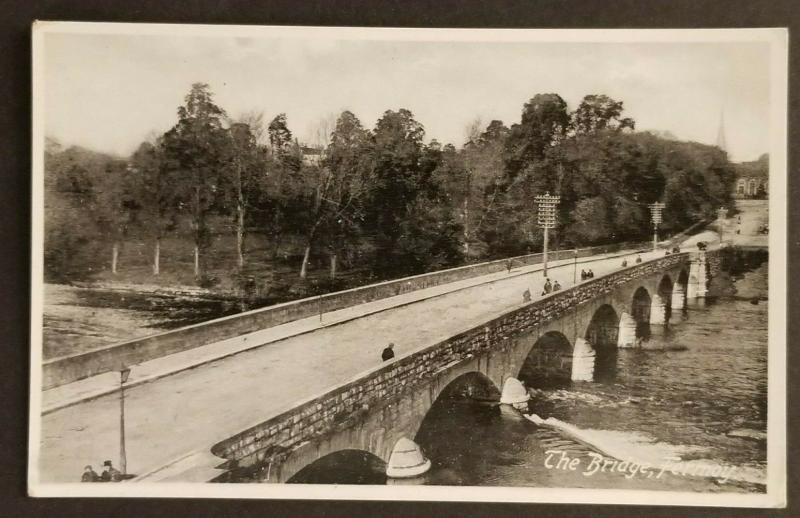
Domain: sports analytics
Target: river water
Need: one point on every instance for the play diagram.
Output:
(692, 404)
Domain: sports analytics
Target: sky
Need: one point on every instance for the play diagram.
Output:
(109, 92)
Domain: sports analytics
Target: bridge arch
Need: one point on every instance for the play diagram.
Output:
(640, 311)
(471, 385)
(548, 363)
(343, 467)
(601, 334)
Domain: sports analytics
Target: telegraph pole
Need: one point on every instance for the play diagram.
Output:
(722, 213)
(546, 218)
(655, 217)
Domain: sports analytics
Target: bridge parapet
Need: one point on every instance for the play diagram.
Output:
(67, 369)
(276, 438)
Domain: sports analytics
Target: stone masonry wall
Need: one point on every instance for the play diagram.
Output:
(275, 438)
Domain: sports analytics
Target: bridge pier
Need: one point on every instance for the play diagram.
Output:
(514, 394)
(658, 314)
(626, 336)
(407, 460)
(583, 357)
(698, 278)
(678, 297)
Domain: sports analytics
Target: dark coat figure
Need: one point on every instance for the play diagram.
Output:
(638, 259)
(583, 274)
(89, 475)
(548, 287)
(526, 296)
(624, 263)
(508, 266)
(590, 274)
(388, 353)
(110, 473)
(556, 286)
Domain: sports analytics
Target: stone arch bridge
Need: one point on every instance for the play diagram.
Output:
(569, 336)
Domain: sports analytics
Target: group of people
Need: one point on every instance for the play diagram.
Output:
(625, 261)
(588, 275)
(110, 474)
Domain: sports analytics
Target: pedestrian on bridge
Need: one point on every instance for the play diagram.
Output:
(508, 265)
(89, 475)
(526, 295)
(584, 275)
(110, 473)
(590, 274)
(388, 353)
(624, 263)
(556, 286)
(548, 287)
(638, 259)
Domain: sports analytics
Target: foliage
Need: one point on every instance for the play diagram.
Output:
(380, 201)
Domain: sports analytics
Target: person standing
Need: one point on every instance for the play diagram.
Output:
(556, 286)
(388, 353)
(526, 295)
(89, 475)
(548, 287)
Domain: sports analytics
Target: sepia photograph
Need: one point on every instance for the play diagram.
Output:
(409, 264)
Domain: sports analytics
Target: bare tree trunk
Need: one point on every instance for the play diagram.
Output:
(240, 219)
(466, 219)
(114, 257)
(157, 257)
(304, 267)
(196, 260)
(240, 236)
(333, 265)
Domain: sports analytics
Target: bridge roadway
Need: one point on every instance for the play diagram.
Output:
(194, 408)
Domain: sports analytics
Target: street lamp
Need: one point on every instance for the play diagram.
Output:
(546, 218)
(123, 461)
(722, 213)
(655, 217)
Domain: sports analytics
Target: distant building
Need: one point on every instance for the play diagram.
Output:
(752, 178)
(311, 155)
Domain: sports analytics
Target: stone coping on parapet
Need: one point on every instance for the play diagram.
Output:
(100, 385)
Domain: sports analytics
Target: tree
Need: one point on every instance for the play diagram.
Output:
(246, 162)
(345, 184)
(195, 149)
(544, 123)
(398, 176)
(600, 112)
(483, 172)
(152, 195)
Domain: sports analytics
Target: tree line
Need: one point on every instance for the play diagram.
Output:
(380, 200)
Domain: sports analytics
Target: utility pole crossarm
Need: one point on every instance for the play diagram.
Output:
(546, 218)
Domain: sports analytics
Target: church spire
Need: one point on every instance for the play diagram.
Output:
(721, 132)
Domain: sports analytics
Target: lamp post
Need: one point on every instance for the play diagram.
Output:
(575, 268)
(546, 218)
(123, 461)
(722, 213)
(655, 217)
